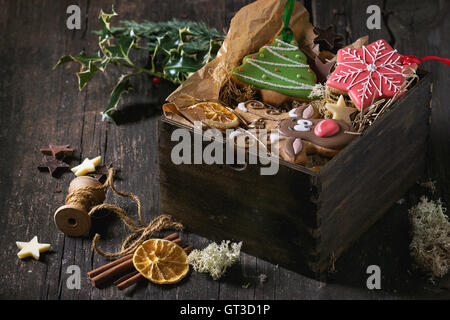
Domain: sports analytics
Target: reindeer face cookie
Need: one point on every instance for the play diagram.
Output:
(301, 135)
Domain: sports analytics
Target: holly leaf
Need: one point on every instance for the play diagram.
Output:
(179, 68)
(167, 43)
(122, 86)
(85, 76)
(158, 59)
(102, 65)
(82, 58)
(176, 49)
(105, 22)
(122, 48)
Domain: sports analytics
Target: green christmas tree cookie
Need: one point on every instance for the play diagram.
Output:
(279, 67)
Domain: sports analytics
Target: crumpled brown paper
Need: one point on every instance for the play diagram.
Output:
(252, 27)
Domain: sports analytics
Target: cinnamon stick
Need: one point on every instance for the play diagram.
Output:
(107, 266)
(107, 275)
(130, 281)
(171, 237)
(125, 277)
(188, 249)
(177, 241)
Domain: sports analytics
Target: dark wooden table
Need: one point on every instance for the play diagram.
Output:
(41, 106)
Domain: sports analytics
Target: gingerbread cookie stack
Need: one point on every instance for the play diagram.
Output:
(300, 132)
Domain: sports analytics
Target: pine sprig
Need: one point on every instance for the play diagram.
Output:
(176, 49)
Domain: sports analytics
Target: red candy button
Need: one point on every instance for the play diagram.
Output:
(326, 128)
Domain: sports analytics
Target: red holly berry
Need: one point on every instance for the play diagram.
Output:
(240, 69)
(253, 57)
(276, 69)
(156, 80)
(284, 54)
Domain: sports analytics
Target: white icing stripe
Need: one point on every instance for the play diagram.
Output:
(273, 74)
(286, 44)
(302, 86)
(297, 65)
(279, 55)
(288, 47)
(281, 48)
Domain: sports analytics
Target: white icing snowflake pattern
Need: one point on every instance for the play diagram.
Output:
(368, 73)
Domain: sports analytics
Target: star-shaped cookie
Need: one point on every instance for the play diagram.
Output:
(31, 248)
(327, 38)
(58, 152)
(323, 70)
(87, 166)
(101, 172)
(370, 73)
(53, 165)
(340, 111)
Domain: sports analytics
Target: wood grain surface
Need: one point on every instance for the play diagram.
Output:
(40, 106)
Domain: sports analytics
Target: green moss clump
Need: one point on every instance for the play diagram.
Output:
(430, 245)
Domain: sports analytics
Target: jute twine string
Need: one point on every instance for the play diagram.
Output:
(84, 197)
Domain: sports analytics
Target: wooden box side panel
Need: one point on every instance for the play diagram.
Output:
(365, 179)
(268, 213)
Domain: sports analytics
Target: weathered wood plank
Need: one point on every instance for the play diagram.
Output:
(36, 119)
(421, 29)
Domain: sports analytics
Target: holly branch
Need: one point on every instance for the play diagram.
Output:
(176, 49)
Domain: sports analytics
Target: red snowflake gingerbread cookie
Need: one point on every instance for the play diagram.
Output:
(370, 73)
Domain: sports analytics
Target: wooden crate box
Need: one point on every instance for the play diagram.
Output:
(298, 218)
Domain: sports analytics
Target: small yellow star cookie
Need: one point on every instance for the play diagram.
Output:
(87, 166)
(340, 110)
(32, 248)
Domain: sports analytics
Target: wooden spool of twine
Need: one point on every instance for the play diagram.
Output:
(86, 196)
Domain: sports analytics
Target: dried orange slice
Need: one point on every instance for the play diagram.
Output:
(161, 261)
(217, 116)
